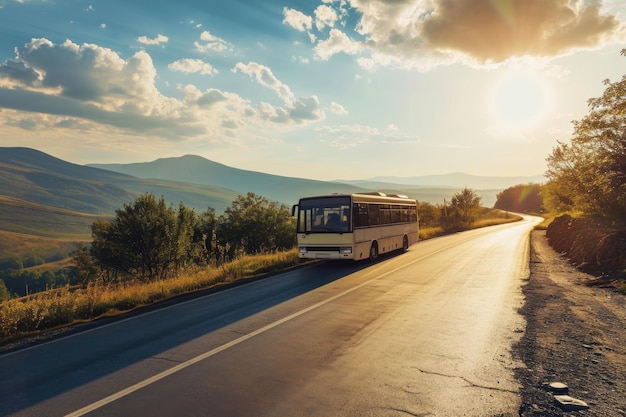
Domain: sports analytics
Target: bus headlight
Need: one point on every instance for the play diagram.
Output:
(302, 249)
(345, 249)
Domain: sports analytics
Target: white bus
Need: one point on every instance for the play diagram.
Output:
(355, 226)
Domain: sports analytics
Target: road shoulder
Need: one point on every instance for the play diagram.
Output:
(575, 334)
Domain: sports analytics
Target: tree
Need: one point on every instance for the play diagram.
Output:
(521, 199)
(429, 215)
(204, 238)
(85, 269)
(252, 225)
(465, 205)
(589, 174)
(4, 292)
(147, 239)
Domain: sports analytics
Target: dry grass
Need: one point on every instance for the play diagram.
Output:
(63, 306)
(431, 232)
(486, 217)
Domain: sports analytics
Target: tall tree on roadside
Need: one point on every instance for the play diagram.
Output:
(465, 205)
(147, 239)
(253, 225)
(589, 174)
(205, 238)
(85, 269)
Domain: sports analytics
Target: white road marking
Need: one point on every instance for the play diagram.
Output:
(120, 394)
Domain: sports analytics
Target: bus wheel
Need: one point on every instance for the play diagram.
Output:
(374, 251)
(405, 243)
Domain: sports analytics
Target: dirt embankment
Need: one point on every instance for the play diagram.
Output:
(591, 246)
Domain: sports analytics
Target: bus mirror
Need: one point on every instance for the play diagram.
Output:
(293, 210)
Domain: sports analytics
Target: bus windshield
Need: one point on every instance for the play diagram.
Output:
(324, 215)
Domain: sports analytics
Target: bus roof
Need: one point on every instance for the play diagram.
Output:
(370, 197)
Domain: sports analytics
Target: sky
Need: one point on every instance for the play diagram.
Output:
(323, 89)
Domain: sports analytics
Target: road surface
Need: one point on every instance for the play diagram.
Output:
(427, 332)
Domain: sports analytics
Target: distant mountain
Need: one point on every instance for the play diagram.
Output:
(454, 180)
(197, 170)
(43, 196)
(432, 188)
(34, 176)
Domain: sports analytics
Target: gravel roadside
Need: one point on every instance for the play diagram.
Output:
(576, 335)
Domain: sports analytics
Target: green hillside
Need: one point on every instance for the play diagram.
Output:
(197, 170)
(47, 205)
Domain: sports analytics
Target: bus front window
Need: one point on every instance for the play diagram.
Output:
(324, 215)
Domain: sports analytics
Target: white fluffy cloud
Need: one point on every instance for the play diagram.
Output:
(210, 42)
(189, 65)
(297, 109)
(338, 109)
(297, 19)
(425, 33)
(90, 86)
(264, 76)
(160, 39)
(325, 16)
(337, 42)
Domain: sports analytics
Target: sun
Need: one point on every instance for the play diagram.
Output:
(520, 100)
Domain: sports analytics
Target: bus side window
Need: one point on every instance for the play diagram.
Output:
(360, 215)
(373, 211)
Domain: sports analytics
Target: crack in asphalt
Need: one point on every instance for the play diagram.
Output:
(401, 410)
(472, 384)
(160, 358)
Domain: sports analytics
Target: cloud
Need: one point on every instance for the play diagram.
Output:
(298, 109)
(62, 85)
(188, 65)
(325, 16)
(264, 76)
(336, 43)
(427, 33)
(495, 31)
(18, 72)
(297, 19)
(306, 108)
(154, 41)
(337, 108)
(211, 42)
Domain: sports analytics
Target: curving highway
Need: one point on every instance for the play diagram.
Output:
(427, 332)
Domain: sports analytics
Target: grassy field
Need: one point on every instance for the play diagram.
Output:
(28, 218)
(65, 306)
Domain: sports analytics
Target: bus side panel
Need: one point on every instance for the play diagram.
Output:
(363, 239)
(391, 241)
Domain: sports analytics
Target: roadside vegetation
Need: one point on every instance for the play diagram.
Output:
(151, 251)
(584, 199)
(586, 191)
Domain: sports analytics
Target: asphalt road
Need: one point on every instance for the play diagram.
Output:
(427, 332)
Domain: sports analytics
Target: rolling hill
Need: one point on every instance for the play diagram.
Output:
(197, 170)
(47, 202)
(34, 176)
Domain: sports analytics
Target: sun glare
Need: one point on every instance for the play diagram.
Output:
(520, 100)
